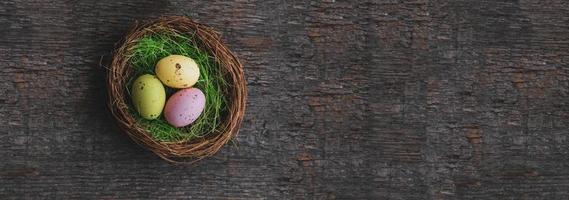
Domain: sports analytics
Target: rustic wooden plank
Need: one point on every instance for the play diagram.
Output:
(375, 99)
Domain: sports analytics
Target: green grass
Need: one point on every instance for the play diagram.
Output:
(148, 51)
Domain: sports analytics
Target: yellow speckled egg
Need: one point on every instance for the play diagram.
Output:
(177, 71)
(148, 96)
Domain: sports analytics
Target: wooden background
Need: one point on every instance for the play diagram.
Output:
(385, 99)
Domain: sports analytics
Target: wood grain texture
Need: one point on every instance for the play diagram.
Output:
(384, 99)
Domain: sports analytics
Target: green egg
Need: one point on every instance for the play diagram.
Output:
(148, 96)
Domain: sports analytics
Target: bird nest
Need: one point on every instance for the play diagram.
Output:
(137, 54)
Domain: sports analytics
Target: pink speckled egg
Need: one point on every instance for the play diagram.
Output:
(184, 107)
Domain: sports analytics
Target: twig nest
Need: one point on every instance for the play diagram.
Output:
(177, 72)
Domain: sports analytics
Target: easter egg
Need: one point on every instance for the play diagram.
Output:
(148, 96)
(177, 71)
(184, 107)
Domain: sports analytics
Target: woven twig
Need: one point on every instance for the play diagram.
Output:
(186, 151)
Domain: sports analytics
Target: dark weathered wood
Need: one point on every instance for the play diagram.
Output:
(392, 99)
